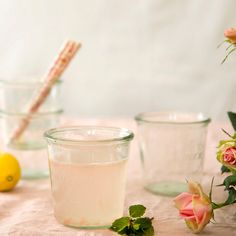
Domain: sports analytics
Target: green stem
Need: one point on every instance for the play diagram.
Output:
(232, 50)
(229, 47)
(220, 205)
(225, 41)
(227, 133)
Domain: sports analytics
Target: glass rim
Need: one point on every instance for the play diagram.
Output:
(23, 81)
(49, 134)
(200, 118)
(34, 115)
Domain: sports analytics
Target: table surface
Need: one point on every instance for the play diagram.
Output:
(27, 210)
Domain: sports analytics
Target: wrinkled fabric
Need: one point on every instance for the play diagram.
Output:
(27, 210)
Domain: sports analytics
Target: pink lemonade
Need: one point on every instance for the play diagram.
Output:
(88, 194)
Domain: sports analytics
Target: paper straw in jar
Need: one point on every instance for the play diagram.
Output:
(54, 73)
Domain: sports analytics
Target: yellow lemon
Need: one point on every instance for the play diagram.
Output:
(10, 171)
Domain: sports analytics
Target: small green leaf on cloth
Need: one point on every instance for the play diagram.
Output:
(144, 225)
(149, 231)
(120, 225)
(137, 210)
(135, 224)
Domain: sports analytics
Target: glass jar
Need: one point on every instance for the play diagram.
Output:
(32, 137)
(16, 96)
(88, 174)
(172, 149)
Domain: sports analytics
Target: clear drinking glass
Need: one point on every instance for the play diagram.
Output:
(16, 95)
(172, 149)
(88, 174)
(32, 137)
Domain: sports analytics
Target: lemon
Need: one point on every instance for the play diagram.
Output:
(10, 171)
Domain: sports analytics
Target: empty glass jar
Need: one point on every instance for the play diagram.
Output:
(172, 149)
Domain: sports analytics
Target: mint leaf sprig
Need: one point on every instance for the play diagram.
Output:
(134, 224)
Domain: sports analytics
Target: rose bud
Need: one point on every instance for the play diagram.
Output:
(231, 34)
(226, 154)
(194, 207)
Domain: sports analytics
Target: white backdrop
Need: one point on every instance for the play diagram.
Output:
(137, 55)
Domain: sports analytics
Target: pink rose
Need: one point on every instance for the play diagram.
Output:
(231, 34)
(194, 207)
(229, 156)
(226, 154)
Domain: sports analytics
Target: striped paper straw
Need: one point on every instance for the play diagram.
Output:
(54, 73)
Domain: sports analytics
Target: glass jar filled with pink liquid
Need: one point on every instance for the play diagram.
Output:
(88, 174)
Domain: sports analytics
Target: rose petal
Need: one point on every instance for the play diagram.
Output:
(182, 200)
(195, 188)
(205, 220)
(200, 208)
(187, 214)
(197, 191)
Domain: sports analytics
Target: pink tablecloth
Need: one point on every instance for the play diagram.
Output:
(27, 210)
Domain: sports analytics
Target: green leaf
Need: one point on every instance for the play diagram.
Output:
(232, 196)
(144, 223)
(120, 225)
(137, 210)
(224, 169)
(149, 231)
(229, 181)
(232, 117)
(135, 225)
(230, 200)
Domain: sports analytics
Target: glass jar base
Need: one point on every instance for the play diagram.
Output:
(90, 227)
(79, 226)
(167, 188)
(34, 174)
